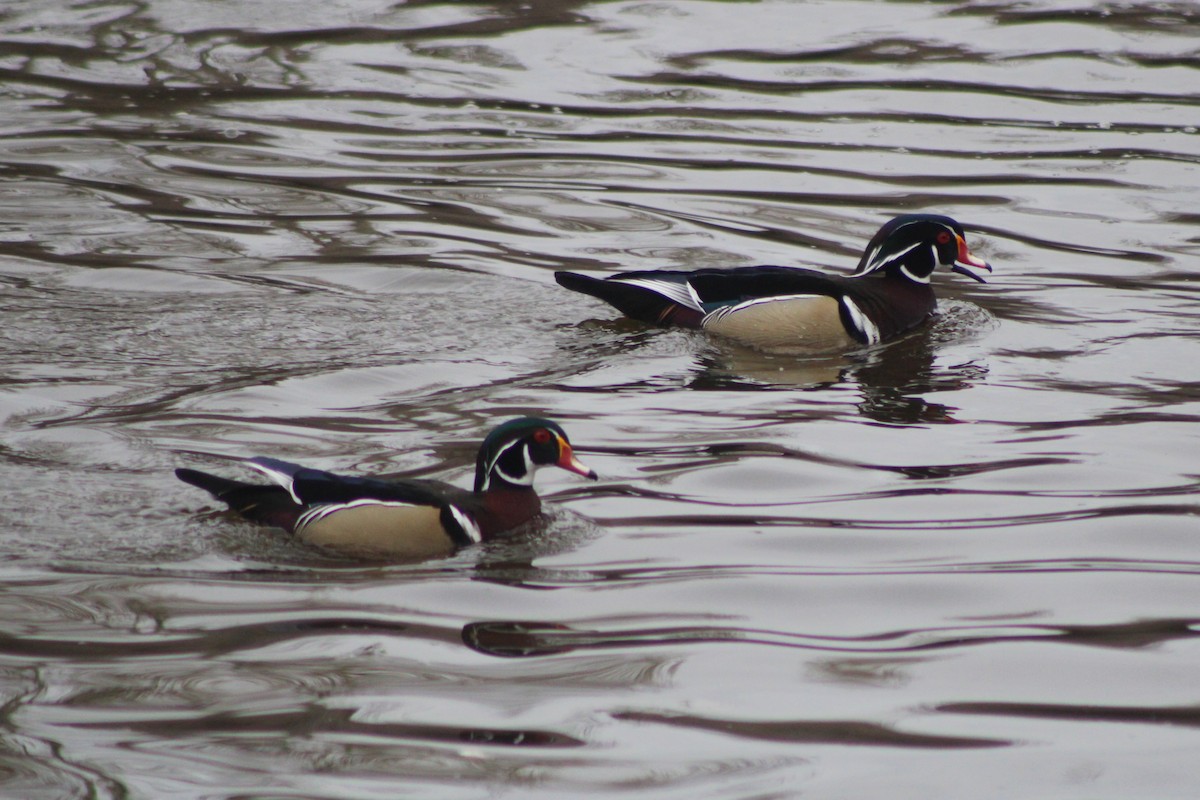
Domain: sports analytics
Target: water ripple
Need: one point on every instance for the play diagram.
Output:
(813, 731)
(966, 558)
(530, 639)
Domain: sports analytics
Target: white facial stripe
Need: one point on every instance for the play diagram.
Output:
(869, 260)
(914, 278)
(872, 264)
(891, 257)
(861, 321)
(681, 293)
(491, 465)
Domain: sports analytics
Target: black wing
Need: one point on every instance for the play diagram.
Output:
(314, 486)
(683, 298)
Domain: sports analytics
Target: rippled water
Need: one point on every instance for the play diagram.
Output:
(961, 564)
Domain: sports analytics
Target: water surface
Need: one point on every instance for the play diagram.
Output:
(962, 563)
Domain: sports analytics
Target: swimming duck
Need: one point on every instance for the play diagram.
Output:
(407, 518)
(795, 308)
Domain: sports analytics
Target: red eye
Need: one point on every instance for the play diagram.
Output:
(541, 436)
(943, 237)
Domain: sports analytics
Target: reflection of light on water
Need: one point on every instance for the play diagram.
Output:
(329, 234)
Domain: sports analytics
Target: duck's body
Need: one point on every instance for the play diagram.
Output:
(404, 519)
(796, 308)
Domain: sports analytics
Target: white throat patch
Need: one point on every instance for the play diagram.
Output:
(523, 480)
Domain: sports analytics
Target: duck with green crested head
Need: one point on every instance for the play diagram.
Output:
(798, 309)
(409, 518)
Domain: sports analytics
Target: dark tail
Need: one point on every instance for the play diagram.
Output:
(270, 505)
(635, 302)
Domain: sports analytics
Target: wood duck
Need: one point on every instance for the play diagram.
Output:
(408, 518)
(795, 308)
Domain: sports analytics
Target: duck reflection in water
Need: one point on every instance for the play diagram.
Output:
(893, 380)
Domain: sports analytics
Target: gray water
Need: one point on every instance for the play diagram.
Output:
(963, 564)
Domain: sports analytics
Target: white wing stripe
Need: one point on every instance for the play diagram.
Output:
(317, 513)
(467, 524)
(861, 321)
(282, 478)
(681, 293)
(725, 311)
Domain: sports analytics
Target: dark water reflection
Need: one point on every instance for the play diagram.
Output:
(961, 563)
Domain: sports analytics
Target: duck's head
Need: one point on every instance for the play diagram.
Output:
(912, 246)
(512, 453)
